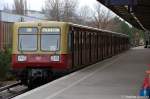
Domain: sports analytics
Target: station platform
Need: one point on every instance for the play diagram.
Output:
(119, 77)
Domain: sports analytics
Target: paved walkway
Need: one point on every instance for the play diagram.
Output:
(119, 77)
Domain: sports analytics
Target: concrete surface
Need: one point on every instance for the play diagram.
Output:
(119, 77)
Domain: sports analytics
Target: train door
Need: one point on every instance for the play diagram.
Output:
(91, 48)
(75, 48)
(122, 40)
(83, 48)
(70, 48)
(79, 49)
(104, 46)
(107, 45)
(98, 44)
(101, 45)
(115, 45)
(119, 44)
(95, 47)
(111, 45)
(88, 48)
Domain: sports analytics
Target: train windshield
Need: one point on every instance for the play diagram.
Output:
(50, 39)
(27, 39)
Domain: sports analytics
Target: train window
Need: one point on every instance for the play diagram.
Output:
(50, 39)
(27, 39)
(50, 42)
(28, 30)
(27, 42)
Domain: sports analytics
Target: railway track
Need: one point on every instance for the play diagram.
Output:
(12, 90)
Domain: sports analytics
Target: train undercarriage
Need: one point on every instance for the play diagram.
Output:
(33, 77)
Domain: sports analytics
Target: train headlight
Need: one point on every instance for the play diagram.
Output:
(55, 58)
(22, 58)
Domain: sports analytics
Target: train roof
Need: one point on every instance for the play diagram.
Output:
(92, 28)
(72, 24)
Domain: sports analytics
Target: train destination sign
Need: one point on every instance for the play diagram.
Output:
(48, 30)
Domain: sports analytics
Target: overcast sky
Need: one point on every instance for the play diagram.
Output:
(37, 4)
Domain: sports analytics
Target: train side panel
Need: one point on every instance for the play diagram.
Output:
(90, 46)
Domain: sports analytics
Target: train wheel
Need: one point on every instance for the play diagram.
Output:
(38, 77)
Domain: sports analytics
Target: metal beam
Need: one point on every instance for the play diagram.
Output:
(125, 11)
(118, 2)
(141, 9)
(143, 2)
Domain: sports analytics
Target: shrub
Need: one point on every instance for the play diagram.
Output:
(5, 61)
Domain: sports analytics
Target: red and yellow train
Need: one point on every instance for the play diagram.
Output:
(44, 50)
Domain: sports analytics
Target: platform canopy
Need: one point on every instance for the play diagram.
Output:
(136, 12)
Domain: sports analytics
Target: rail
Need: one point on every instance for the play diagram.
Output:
(9, 86)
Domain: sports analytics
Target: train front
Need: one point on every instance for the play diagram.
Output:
(39, 51)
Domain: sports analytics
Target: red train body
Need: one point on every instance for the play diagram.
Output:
(43, 50)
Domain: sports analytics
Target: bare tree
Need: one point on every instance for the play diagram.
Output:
(69, 10)
(101, 17)
(6, 8)
(20, 7)
(60, 10)
(66, 10)
(53, 9)
(85, 15)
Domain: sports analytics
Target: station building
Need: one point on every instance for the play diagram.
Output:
(6, 27)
